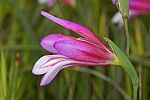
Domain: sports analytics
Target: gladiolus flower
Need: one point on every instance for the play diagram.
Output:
(87, 50)
(136, 7)
(50, 3)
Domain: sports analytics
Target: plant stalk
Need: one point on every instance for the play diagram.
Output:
(125, 20)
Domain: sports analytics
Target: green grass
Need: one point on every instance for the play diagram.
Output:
(22, 27)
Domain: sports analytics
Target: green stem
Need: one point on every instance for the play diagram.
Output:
(135, 82)
(125, 20)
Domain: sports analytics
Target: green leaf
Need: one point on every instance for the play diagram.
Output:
(126, 64)
(3, 76)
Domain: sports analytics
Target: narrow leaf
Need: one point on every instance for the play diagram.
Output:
(126, 64)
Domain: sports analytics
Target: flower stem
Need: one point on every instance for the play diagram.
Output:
(125, 20)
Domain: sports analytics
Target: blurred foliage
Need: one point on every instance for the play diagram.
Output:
(22, 27)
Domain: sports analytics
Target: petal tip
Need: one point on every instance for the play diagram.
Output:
(45, 43)
(42, 84)
(43, 12)
(42, 42)
(34, 71)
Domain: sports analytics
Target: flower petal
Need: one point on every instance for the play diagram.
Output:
(81, 50)
(50, 65)
(42, 1)
(48, 41)
(80, 29)
(117, 18)
(69, 2)
(44, 63)
(50, 75)
(140, 6)
(114, 2)
(51, 3)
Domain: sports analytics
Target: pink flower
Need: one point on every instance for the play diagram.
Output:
(50, 3)
(87, 50)
(69, 2)
(136, 7)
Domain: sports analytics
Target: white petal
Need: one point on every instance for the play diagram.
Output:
(44, 63)
(50, 75)
(42, 1)
(52, 64)
(117, 19)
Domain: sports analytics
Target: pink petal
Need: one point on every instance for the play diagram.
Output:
(48, 41)
(81, 50)
(51, 3)
(114, 2)
(68, 2)
(140, 6)
(79, 29)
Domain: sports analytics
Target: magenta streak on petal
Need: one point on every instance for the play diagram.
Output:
(51, 62)
(48, 41)
(81, 30)
(85, 40)
(80, 50)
